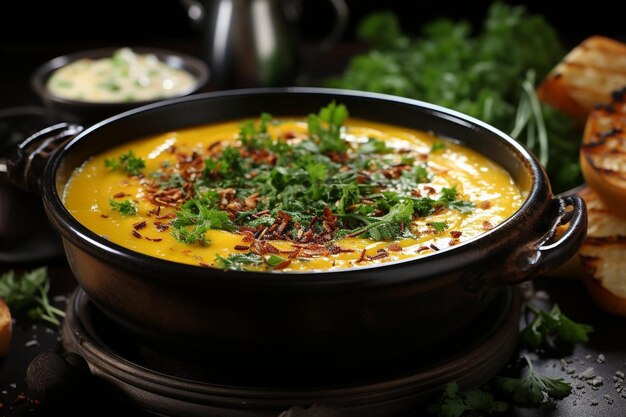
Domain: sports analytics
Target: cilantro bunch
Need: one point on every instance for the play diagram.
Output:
(488, 73)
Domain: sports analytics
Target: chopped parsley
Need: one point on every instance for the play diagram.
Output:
(196, 217)
(127, 162)
(125, 207)
(308, 188)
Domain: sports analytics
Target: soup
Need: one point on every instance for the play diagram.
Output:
(291, 194)
(125, 76)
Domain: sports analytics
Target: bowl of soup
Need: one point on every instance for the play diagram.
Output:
(91, 85)
(318, 227)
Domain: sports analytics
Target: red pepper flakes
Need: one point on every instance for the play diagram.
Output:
(204, 264)
(136, 234)
(241, 247)
(161, 227)
(166, 216)
(284, 264)
(139, 225)
(361, 257)
(153, 239)
(104, 216)
(456, 234)
(380, 254)
(422, 249)
(430, 189)
(485, 205)
(121, 194)
(487, 225)
(395, 247)
(334, 249)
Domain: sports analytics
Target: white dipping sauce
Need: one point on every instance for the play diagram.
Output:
(123, 77)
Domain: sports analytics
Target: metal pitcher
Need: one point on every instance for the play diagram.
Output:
(254, 43)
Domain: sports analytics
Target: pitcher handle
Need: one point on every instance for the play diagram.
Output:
(342, 17)
(293, 12)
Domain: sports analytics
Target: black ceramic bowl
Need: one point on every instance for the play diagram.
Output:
(87, 113)
(351, 318)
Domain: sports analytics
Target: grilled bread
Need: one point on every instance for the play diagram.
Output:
(603, 153)
(5, 328)
(585, 77)
(603, 256)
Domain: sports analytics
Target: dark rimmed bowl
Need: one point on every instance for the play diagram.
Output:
(318, 320)
(87, 113)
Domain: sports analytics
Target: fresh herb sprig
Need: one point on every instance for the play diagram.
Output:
(124, 207)
(530, 389)
(533, 389)
(28, 293)
(457, 403)
(548, 328)
(128, 163)
(197, 216)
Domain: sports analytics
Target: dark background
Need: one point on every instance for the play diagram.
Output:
(32, 32)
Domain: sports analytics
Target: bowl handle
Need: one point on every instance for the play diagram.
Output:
(25, 167)
(541, 254)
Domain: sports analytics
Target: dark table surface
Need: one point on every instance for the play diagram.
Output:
(605, 351)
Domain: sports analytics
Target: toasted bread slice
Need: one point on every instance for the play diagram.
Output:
(585, 77)
(603, 152)
(602, 256)
(5, 328)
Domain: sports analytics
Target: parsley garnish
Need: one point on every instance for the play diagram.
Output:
(438, 226)
(549, 328)
(314, 188)
(197, 216)
(28, 293)
(532, 389)
(437, 146)
(274, 260)
(127, 162)
(238, 261)
(125, 207)
(390, 226)
(325, 128)
(456, 403)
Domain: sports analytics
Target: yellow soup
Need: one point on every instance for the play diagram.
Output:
(285, 195)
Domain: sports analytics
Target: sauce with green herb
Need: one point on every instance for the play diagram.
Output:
(123, 77)
(292, 194)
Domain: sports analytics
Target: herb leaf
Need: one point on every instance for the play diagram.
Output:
(238, 261)
(202, 214)
(532, 389)
(28, 293)
(548, 328)
(455, 403)
(127, 162)
(125, 207)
